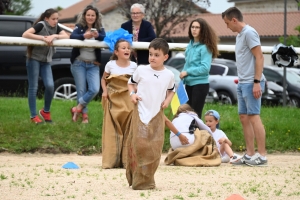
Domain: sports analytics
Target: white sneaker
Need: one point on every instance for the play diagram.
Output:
(235, 158)
(225, 159)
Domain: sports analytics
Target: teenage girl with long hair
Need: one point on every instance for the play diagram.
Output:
(199, 53)
(38, 61)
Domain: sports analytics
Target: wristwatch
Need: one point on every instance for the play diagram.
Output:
(256, 81)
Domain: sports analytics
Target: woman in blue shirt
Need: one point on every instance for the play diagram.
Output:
(199, 53)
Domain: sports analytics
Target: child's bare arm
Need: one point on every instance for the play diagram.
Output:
(131, 88)
(168, 99)
(183, 139)
(132, 92)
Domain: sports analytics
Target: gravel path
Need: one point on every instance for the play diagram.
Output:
(41, 176)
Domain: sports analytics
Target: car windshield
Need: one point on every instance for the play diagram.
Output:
(292, 77)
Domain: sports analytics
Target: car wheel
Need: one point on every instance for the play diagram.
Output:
(64, 88)
(225, 98)
(294, 101)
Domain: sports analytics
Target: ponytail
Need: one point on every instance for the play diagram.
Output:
(44, 15)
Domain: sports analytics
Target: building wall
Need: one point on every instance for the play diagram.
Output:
(113, 20)
(267, 6)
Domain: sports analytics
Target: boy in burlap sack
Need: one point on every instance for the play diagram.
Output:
(155, 89)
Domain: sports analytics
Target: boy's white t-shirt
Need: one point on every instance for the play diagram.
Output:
(112, 68)
(218, 134)
(152, 88)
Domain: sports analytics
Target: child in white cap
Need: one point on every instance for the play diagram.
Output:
(212, 119)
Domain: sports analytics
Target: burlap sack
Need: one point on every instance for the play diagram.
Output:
(203, 152)
(145, 144)
(116, 122)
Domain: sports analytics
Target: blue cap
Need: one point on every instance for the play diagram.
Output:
(213, 113)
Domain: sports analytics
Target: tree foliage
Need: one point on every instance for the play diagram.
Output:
(292, 39)
(165, 15)
(59, 8)
(18, 7)
(4, 5)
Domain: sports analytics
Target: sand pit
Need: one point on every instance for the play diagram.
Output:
(41, 176)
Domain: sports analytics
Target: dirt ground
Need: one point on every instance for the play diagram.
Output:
(41, 176)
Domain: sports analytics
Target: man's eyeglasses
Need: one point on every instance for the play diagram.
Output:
(136, 13)
(195, 27)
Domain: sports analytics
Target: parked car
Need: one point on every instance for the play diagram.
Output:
(228, 79)
(273, 95)
(296, 70)
(212, 96)
(13, 74)
(223, 78)
(275, 74)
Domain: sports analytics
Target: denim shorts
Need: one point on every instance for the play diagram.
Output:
(247, 104)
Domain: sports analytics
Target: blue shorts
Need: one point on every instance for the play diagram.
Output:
(247, 104)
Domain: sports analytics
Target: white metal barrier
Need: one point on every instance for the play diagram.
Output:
(93, 43)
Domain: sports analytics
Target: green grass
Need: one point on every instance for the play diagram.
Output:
(18, 134)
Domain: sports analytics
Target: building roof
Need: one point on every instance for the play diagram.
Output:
(104, 6)
(266, 24)
(71, 12)
(238, 1)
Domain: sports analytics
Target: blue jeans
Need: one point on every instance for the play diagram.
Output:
(36, 69)
(85, 74)
(247, 104)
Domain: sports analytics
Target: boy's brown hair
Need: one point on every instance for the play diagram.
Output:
(160, 44)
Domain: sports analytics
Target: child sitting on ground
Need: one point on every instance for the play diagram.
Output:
(183, 126)
(212, 119)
